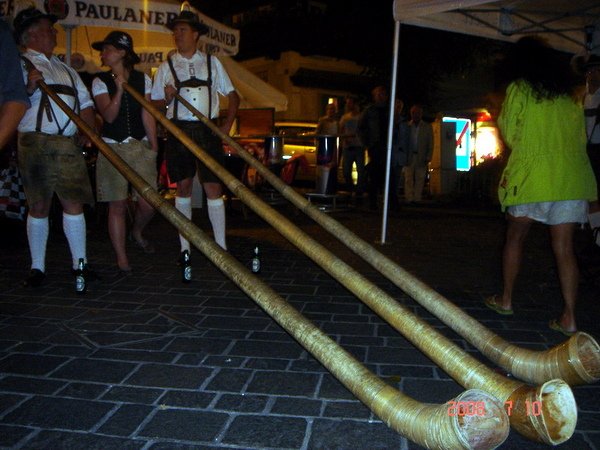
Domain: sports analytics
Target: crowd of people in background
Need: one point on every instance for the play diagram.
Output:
(551, 175)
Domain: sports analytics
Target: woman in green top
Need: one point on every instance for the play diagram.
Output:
(548, 177)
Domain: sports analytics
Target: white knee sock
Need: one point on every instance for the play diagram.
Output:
(74, 229)
(37, 235)
(216, 214)
(184, 206)
(594, 219)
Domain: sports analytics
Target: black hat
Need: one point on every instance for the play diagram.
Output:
(592, 61)
(190, 18)
(28, 17)
(118, 39)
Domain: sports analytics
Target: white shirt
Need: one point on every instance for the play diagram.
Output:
(99, 87)
(185, 68)
(54, 72)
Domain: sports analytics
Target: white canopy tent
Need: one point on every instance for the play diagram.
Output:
(568, 25)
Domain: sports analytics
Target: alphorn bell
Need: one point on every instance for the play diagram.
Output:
(428, 425)
(558, 415)
(576, 361)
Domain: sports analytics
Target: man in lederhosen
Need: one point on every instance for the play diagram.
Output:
(49, 158)
(198, 78)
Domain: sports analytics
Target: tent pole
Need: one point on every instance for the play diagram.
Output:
(69, 42)
(386, 189)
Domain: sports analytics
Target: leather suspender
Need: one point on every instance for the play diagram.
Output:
(192, 82)
(46, 107)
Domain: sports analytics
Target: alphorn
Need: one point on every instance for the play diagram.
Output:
(429, 425)
(576, 361)
(558, 415)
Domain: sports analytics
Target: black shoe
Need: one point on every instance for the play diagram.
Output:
(35, 279)
(89, 273)
(185, 263)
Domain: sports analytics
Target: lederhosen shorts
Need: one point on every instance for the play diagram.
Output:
(182, 163)
(110, 184)
(53, 163)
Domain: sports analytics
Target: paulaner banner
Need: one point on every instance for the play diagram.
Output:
(148, 16)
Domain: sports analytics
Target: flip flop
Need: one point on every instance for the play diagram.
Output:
(556, 326)
(490, 302)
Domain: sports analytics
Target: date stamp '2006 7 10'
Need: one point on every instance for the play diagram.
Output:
(533, 408)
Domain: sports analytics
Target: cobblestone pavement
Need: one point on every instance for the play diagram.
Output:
(144, 361)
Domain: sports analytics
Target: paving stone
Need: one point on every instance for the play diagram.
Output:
(166, 376)
(27, 364)
(128, 394)
(226, 334)
(351, 409)
(266, 432)
(10, 436)
(76, 441)
(8, 401)
(288, 383)
(198, 344)
(98, 370)
(190, 360)
(266, 350)
(187, 425)
(594, 439)
(588, 421)
(29, 347)
(187, 399)
(238, 323)
(334, 308)
(267, 364)
(229, 380)
(152, 344)
(68, 350)
(223, 361)
(120, 339)
(27, 333)
(297, 406)
(171, 445)
(125, 420)
(179, 297)
(57, 312)
(132, 355)
(29, 385)
(587, 397)
(6, 345)
(242, 403)
(53, 412)
(335, 434)
(88, 391)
